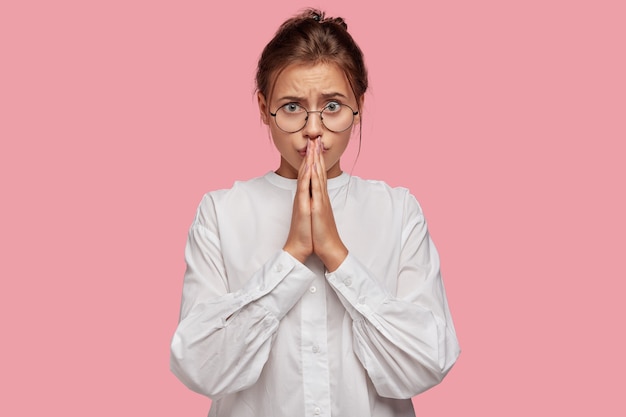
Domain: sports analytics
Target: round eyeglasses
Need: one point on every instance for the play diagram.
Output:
(336, 117)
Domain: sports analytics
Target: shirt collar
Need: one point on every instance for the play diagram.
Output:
(291, 184)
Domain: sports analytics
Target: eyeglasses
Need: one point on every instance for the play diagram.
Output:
(336, 117)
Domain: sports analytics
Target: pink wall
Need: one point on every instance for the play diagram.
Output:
(508, 122)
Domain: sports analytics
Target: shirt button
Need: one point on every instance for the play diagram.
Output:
(313, 290)
(278, 268)
(315, 349)
(318, 411)
(348, 282)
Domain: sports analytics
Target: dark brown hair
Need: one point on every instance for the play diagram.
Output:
(311, 38)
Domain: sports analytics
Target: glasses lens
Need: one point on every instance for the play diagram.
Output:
(291, 117)
(337, 117)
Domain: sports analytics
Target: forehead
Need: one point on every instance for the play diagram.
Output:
(311, 81)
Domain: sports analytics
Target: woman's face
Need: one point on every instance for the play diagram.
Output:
(312, 87)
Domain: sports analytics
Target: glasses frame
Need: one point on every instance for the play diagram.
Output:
(306, 119)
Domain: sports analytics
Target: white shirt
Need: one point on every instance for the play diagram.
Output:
(264, 335)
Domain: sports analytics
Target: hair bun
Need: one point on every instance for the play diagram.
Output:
(339, 21)
(320, 16)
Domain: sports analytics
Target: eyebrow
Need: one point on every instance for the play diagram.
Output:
(324, 96)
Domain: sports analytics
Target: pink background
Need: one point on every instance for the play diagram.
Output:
(506, 119)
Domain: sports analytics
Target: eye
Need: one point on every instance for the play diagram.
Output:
(292, 108)
(332, 107)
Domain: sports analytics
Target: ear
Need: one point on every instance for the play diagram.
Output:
(263, 109)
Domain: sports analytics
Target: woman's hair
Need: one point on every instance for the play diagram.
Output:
(311, 38)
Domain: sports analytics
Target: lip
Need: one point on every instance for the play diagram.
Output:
(302, 151)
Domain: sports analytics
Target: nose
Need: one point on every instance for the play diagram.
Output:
(314, 127)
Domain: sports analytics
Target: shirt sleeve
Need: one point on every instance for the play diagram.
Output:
(405, 341)
(223, 338)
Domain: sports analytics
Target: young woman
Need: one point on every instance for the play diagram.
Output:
(310, 292)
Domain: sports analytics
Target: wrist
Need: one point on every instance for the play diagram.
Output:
(334, 257)
(299, 255)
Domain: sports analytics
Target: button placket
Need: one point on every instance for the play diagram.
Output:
(315, 370)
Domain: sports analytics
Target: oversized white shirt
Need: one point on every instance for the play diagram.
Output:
(264, 335)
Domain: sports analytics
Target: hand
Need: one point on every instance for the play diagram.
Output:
(300, 239)
(313, 228)
(326, 241)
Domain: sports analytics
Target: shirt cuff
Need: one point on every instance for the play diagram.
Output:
(357, 288)
(270, 288)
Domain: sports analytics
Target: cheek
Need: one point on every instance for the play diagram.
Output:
(337, 150)
(277, 137)
(283, 143)
(342, 142)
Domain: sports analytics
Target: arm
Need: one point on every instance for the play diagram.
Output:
(406, 342)
(224, 338)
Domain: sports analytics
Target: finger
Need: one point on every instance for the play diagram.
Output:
(304, 175)
(304, 160)
(317, 183)
(323, 164)
(311, 164)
